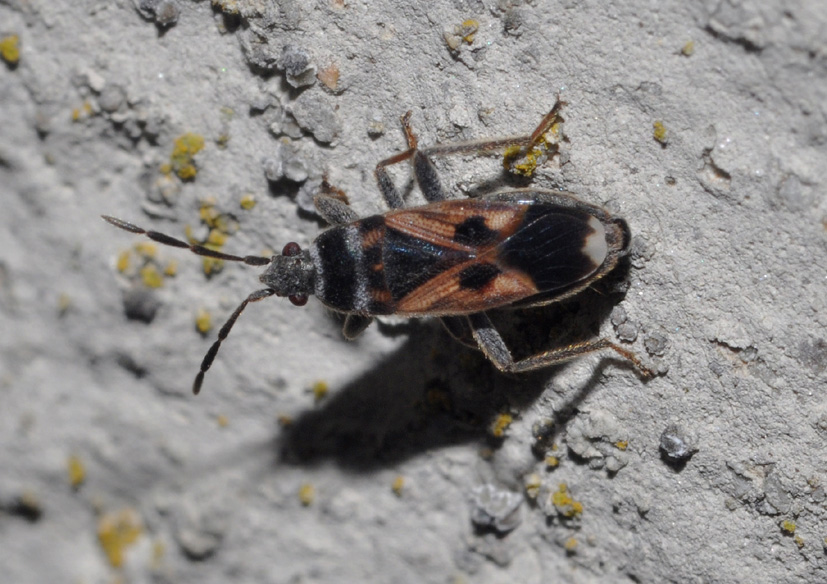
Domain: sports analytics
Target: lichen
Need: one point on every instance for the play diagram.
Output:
(76, 471)
(203, 321)
(501, 424)
(247, 202)
(319, 389)
(151, 277)
(117, 532)
(10, 49)
(307, 494)
(563, 502)
(397, 485)
(523, 160)
(182, 161)
(659, 132)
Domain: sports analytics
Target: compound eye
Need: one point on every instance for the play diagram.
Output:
(298, 299)
(291, 249)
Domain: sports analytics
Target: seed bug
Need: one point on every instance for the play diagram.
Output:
(454, 259)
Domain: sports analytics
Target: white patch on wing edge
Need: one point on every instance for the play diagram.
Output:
(595, 246)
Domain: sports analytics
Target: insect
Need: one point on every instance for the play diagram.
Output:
(454, 259)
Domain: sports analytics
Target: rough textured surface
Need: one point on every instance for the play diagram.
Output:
(309, 459)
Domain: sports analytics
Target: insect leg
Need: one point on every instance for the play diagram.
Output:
(194, 248)
(492, 345)
(334, 211)
(488, 146)
(332, 204)
(424, 171)
(355, 325)
(389, 191)
(222, 334)
(460, 329)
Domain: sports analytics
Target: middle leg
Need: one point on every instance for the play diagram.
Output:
(492, 345)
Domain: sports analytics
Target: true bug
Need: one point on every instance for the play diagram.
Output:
(451, 258)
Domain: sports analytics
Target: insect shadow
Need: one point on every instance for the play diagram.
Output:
(433, 392)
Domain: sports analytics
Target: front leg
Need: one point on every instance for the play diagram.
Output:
(332, 204)
(492, 345)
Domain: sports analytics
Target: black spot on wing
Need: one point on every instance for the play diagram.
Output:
(476, 276)
(548, 247)
(474, 232)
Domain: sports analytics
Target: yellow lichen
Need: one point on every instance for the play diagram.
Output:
(799, 541)
(212, 266)
(122, 264)
(171, 268)
(307, 494)
(247, 202)
(208, 213)
(223, 421)
(501, 424)
(184, 148)
(116, 532)
(82, 112)
(221, 227)
(564, 503)
(688, 49)
(77, 472)
(788, 526)
(151, 277)
(10, 49)
(552, 461)
(570, 545)
(216, 238)
(203, 321)
(319, 389)
(622, 444)
(397, 485)
(146, 249)
(660, 134)
(467, 30)
(523, 160)
(462, 33)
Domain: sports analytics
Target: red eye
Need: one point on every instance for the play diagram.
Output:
(291, 249)
(298, 299)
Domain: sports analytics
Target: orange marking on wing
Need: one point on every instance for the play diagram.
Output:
(382, 295)
(443, 295)
(437, 222)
